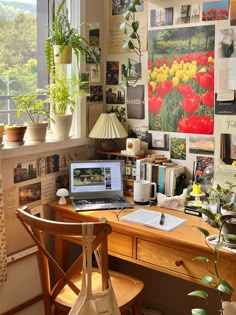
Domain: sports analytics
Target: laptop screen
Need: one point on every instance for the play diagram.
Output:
(96, 178)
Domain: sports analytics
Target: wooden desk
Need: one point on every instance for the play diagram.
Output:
(168, 252)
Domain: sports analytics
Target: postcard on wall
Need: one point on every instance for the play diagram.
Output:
(48, 165)
(112, 73)
(135, 102)
(114, 95)
(95, 73)
(94, 35)
(187, 14)
(158, 141)
(140, 132)
(232, 12)
(119, 110)
(225, 107)
(29, 193)
(204, 169)
(96, 93)
(200, 144)
(25, 171)
(161, 17)
(97, 52)
(178, 147)
(215, 10)
(116, 37)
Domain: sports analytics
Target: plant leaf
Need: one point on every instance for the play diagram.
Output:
(126, 15)
(205, 232)
(201, 258)
(232, 237)
(135, 26)
(123, 28)
(132, 7)
(127, 64)
(199, 311)
(132, 35)
(128, 46)
(224, 287)
(199, 293)
(207, 213)
(207, 279)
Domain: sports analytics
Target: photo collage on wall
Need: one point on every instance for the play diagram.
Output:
(184, 94)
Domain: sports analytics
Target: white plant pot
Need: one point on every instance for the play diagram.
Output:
(61, 126)
(36, 131)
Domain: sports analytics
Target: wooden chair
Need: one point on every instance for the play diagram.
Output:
(60, 294)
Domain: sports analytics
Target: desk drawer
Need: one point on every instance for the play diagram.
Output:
(120, 243)
(170, 260)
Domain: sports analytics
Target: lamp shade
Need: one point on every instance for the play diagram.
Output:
(108, 126)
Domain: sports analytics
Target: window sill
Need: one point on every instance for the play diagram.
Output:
(48, 145)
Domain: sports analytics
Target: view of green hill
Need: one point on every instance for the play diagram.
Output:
(9, 8)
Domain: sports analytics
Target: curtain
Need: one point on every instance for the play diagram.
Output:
(3, 252)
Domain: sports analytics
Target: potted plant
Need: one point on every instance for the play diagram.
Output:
(63, 39)
(214, 278)
(36, 109)
(63, 93)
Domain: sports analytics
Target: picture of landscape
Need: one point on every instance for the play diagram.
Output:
(181, 79)
(89, 176)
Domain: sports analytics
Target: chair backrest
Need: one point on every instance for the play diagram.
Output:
(39, 228)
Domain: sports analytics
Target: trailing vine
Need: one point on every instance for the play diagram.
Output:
(130, 27)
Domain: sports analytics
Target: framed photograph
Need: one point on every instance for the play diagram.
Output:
(228, 148)
(158, 141)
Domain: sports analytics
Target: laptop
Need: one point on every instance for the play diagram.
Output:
(97, 185)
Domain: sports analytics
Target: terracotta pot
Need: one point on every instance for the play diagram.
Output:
(64, 56)
(36, 131)
(15, 134)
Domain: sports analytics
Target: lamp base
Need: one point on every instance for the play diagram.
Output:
(108, 145)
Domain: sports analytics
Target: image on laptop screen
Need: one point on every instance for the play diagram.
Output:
(95, 178)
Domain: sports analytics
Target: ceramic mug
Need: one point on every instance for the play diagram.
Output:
(144, 191)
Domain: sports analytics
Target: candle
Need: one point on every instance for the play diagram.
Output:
(133, 145)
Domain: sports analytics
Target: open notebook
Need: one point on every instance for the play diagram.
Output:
(97, 184)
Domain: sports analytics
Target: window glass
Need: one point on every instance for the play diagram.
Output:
(21, 63)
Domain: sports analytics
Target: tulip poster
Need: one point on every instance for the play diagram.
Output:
(181, 79)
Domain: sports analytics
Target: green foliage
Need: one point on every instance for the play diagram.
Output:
(64, 35)
(32, 105)
(130, 28)
(63, 92)
(214, 279)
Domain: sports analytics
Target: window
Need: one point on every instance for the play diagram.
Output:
(23, 29)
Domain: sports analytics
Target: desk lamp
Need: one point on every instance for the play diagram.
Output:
(108, 127)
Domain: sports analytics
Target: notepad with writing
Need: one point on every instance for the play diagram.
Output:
(152, 219)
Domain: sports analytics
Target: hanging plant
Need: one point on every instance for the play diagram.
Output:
(130, 27)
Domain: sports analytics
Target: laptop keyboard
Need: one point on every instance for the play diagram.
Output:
(116, 202)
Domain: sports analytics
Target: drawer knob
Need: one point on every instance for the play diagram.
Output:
(179, 263)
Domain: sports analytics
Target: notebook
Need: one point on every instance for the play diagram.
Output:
(97, 184)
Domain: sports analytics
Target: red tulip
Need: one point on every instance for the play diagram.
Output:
(191, 103)
(154, 104)
(208, 99)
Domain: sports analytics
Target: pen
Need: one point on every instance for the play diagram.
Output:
(162, 219)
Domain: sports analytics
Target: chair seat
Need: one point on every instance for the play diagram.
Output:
(126, 289)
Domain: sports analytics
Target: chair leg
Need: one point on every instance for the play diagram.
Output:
(137, 308)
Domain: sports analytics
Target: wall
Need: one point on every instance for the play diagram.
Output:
(222, 123)
(22, 274)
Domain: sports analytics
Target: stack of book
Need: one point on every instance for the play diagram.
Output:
(161, 171)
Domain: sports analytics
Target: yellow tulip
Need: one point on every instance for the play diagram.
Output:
(175, 81)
